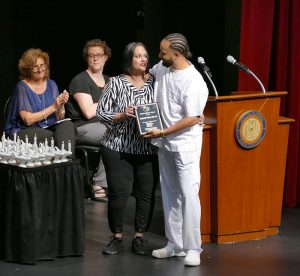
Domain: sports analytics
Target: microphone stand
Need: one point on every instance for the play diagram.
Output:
(258, 80)
(212, 83)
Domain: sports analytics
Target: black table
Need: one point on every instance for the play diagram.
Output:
(41, 212)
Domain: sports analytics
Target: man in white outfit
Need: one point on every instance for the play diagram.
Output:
(181, 94)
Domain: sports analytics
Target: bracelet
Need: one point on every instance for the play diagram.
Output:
(45, 119)
(162, 134)
(43, 115)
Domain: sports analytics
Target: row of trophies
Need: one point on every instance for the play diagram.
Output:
(27, 155)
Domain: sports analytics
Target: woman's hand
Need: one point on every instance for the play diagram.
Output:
(60, 102)
(130, 111)
(62, 98)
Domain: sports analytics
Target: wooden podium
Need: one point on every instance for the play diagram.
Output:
(243, 166)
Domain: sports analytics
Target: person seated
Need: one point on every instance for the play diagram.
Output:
(85, 90)
(36, 106)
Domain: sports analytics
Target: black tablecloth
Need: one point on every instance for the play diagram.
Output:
(41, 212)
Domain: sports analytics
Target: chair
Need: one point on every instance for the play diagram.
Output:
(83, 152)
(6, 107)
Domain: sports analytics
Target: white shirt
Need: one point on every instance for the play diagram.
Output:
(179, 94)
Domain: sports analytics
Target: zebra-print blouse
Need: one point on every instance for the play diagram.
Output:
(124, 136)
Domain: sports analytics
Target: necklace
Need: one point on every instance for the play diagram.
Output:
(37, 86)
(42, 101)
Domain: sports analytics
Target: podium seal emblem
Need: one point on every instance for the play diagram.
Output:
(250, 129)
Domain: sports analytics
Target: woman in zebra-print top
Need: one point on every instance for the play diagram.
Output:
(130, 160)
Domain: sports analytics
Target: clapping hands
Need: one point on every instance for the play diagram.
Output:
(62, 98)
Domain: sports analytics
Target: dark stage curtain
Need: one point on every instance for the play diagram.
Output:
(270, 47)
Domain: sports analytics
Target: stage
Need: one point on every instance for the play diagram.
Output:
(276, 255)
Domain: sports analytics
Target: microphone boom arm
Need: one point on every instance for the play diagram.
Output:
(212, 83)
(242, 67)
(208, 74)
(258, 80)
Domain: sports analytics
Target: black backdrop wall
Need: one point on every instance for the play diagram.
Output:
(211, 27)
(61, 28)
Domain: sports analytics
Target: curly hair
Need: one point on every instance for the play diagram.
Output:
(28, 60)
(96, 43)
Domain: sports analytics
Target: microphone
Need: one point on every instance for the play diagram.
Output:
(208, 74)
(244, 68)
(205, 68)
(241, 66)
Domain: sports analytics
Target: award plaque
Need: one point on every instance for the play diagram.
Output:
(148, 117)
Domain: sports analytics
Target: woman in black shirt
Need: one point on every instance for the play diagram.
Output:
(85, 90)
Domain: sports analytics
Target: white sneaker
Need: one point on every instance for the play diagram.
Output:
(192, 258)
(167, 252)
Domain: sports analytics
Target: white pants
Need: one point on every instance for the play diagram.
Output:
(180, 184)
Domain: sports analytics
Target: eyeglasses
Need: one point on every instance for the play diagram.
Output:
(41, 67)
(97, 56)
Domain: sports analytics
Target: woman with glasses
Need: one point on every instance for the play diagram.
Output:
(36, 106)
(85, 90)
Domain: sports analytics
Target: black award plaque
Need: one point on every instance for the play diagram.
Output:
(148, 117)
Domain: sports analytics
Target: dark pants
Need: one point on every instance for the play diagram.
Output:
(62, 132)
(128, 173)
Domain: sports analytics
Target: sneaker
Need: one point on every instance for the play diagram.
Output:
(167, 252)
(192, 258)
(114, 246)
(138, 246)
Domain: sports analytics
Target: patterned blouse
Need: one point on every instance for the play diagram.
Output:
(124, 136)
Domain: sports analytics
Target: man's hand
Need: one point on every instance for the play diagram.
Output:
(201, 119)
(153, 133)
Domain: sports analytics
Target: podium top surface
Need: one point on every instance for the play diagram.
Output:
(244, 95)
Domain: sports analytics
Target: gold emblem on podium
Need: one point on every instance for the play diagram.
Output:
(250, 129)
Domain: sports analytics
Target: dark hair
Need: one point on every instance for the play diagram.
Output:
(179, 43)
(96, 43)
(128, 56)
